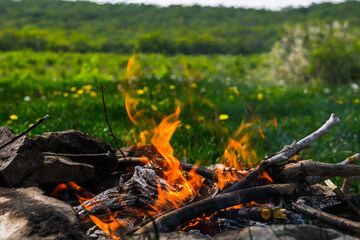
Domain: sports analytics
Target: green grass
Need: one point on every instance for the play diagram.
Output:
(227, 85)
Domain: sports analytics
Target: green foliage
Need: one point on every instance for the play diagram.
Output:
(326, 53)
(44, 25)
(66, 86)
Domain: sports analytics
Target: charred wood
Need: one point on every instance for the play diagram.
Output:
(170, 221)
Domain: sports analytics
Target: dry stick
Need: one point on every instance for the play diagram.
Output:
(78, 155)
(24, 132)
(170, 221)
(313, 168)
(339, 222)
(347, 184)
(107, 120)
(318, 179)
(285, 154)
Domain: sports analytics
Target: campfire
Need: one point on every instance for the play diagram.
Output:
(144, 189)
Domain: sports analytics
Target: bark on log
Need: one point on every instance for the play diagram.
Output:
(339, 222)
(285, 154)
(170, 221)
(312, 168)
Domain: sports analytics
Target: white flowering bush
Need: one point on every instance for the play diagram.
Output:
(326, 53)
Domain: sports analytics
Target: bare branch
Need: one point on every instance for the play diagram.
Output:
(107, 120)
(24, 132)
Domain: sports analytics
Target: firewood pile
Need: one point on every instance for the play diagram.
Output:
(145, 192)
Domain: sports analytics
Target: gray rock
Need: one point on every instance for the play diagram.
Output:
(17, 160)
(284, 232)
(76, 142)
(58, 169)
(27, 214)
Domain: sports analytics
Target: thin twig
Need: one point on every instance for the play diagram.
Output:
(107, 120)
(78, 155)
(24, 132)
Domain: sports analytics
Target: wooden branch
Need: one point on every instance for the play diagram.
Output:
(285, 154)
(347, 184)
(78, 155)
(107, 120)
(339, 222)
(296, 147)
(318, 179)
(24, 132)
(312, 168)
(349, 180)
(170, 221)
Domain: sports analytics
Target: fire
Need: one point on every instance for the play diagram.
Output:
(176, 187)
(173, 198)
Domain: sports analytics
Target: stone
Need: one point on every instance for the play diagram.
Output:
(26, 213)
(17, 160)
(58, 169)
(76, 142)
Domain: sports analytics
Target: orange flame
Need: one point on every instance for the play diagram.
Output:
(133, 68)
(172, 197)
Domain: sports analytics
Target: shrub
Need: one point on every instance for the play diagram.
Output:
(327, 53)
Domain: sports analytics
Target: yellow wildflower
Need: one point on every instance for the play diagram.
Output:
(340, 102)
(356, 100)
(76, 95)
(260, 96)
(201, 118)
(87, 87)
(92, 94)
(172, 87)
(145, 89)
(9, 122)
(31, 124)
(154, 108)
(187, 126)
(14, 117)
(140, 92)
(73, 89)
(223, 117)
(66, 94)
(193, 85)
(80, 91)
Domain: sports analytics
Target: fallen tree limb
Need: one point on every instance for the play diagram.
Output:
(285, 154)
(313, 168)
(170, 221)
(318, 179)
(24, 132)
(339, 222)
(347, 184)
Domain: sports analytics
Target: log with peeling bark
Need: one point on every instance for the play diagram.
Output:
(285, 154)
(339, 222)
(170, 221)
(313, 168)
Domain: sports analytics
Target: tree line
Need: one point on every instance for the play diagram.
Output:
(80, 26)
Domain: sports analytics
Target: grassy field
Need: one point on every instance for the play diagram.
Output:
(215, 93)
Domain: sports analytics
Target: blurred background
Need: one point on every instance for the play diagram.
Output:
(283, 66)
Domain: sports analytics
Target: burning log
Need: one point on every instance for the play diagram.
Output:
(204, 172)
(170, 221)
(339, 222)
(285, 154)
